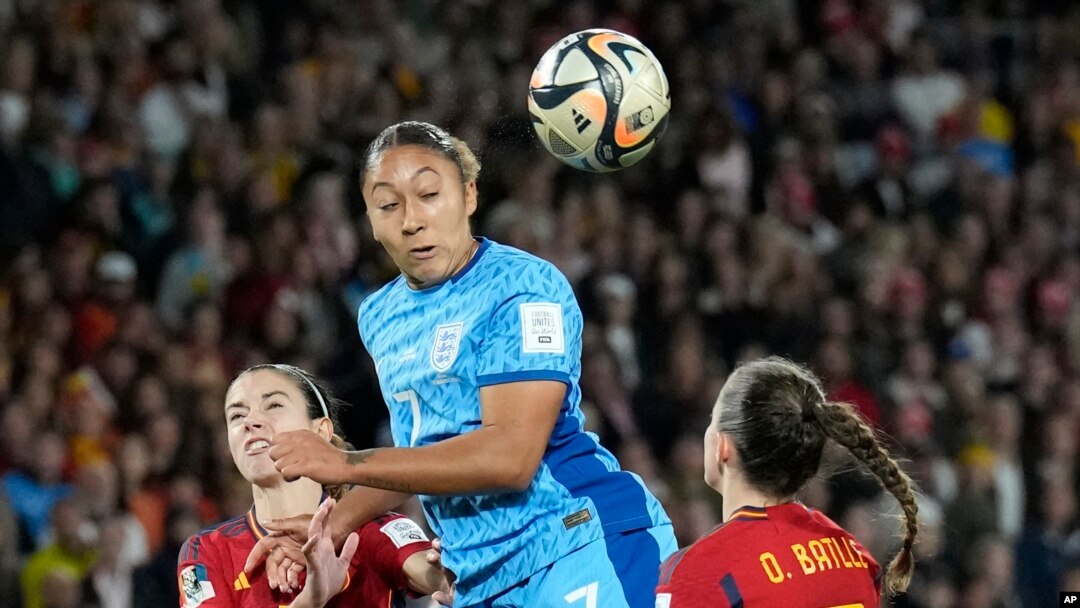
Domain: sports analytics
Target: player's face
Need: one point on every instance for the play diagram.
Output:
(259, 405)
(419, 211)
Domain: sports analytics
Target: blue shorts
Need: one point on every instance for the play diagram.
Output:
(618, 571)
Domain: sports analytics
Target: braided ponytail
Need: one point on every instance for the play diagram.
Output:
(844, 426)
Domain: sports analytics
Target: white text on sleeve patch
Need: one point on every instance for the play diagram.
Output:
(403, 532)
(663, 600)
(541, 328)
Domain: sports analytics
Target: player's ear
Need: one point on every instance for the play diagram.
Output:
(723, 448)
(324, 427)
(470, 197)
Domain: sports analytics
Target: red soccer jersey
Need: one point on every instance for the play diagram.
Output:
(787, 555)
(210, 569)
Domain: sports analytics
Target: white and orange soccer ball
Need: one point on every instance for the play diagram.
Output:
(599, 100)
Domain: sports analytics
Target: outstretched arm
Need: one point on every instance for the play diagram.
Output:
(327, 571)
(502, 455)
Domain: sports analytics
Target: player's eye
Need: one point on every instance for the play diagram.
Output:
(233, 417)
(388, 206)
(429, 195)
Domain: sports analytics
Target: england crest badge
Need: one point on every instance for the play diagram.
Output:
(447, 343)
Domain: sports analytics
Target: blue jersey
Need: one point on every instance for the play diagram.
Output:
(507, 316)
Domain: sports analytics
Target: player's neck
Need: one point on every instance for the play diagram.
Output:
(300, 497)
(737, 494)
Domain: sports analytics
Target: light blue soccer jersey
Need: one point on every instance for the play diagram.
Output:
(507, 316)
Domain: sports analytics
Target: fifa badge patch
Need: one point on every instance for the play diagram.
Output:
(447, 343)
(542, 328)
(195, 585)
(403, 532)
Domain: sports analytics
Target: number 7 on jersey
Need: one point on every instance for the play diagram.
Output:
(588, 593)
(414, 404)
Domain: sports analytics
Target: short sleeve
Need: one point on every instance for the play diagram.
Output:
(198, 576)
(387, 542)
(534, 333)
(684, 583)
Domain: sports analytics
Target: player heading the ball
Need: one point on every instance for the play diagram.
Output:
(478, 351)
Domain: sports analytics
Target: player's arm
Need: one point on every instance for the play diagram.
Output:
(200, 577)
(424, 577)
(400, 551)
(360, 505)
(502, 455)
(282, 548)
(328, 572)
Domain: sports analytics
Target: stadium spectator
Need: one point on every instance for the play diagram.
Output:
(72, 552)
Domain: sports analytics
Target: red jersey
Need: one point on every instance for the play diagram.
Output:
(787, 555)
(211, 566)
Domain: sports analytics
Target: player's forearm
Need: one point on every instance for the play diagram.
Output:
(359, 506)
(424, 577)
(304, 601)
(482, 461)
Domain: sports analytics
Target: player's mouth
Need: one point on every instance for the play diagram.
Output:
(422, 253)
(256, 446)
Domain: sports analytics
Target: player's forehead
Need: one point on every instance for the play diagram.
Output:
(410, 162)
(255, 386)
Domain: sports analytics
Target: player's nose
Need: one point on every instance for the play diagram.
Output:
(412, 220)
(254, 420)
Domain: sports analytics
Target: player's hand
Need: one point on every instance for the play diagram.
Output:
(326, 569)
(445, 596)
(305, 454)
(282, 549)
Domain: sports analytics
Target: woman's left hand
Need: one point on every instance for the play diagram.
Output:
(327, 571)
(306, 454)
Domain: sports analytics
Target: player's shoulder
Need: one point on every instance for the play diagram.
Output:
(506, 256)
(800, 516)
(685, 566)
(224, 533)
(669, 566)
(714, 548)
(517, 268)
(377, 298)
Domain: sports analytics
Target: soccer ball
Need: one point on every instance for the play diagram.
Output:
(599, 100)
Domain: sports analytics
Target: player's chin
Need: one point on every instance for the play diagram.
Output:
(428, 273)
(263, 473)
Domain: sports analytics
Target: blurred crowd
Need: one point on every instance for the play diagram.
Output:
(888, 190)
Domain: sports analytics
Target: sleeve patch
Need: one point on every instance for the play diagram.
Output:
(663, 600)
(403, 532)
(195, 585)
(542, 328)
